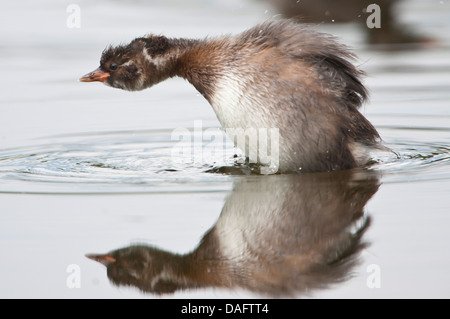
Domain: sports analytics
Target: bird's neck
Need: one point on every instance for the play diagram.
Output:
(200, 62)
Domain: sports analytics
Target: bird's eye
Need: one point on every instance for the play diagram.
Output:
(113, 66)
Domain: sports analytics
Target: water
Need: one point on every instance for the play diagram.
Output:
(114, 162)
(85, 169)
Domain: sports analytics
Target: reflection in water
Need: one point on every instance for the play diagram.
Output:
(389, 32)
(276, 235)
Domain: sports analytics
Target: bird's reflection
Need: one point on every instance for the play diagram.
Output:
(278, 235)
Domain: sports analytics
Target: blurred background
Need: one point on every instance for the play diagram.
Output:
(84, 168)
(44, 50)
(391, 32)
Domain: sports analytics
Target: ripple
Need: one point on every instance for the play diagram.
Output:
(115, 162)
(153, 162)
(414, 160)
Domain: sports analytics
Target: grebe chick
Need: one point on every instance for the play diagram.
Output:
(279, 75)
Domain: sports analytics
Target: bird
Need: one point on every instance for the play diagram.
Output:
(279, 76)
(391, 35)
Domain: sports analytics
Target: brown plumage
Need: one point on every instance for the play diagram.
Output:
(278, 75)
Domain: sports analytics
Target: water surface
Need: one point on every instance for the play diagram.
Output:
(85, 169)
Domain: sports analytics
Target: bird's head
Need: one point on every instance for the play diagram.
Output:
(135, 66)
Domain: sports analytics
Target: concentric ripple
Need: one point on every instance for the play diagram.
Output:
(151, 161)
(115, 162)
(414, 160)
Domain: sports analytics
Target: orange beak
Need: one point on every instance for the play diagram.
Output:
(103, 259)
(97, 75)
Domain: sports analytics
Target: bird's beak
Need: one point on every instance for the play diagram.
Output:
(105, 260)
(96, 75)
